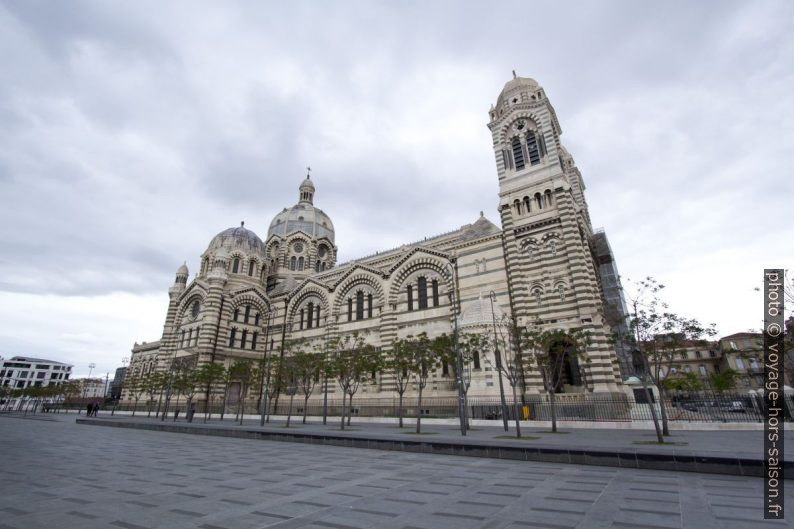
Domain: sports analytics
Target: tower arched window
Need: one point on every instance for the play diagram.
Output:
(349, 309)
(300, 264)
(317, 311)
(561, 291)
(322, 267)
(422, 287)
(317, 266)
(251, 266)
(232, 337)
(236, 313)
(537, 295)
(244, 339)
(369, 305)
(553, 248)
(359, 305)
(532, 148)
(293, 263)
(527, 204)
(517, 206)
(301, 325)
(410, 297)
(236, 265)
(518, 154)
(538, 201)
(434, 286)
(247, 313)
(254, 336)
(547, 196)
(272, 265)
(256, 319)
(310, 314)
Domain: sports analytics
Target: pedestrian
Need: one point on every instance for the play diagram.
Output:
(89, 409)
(96, 409)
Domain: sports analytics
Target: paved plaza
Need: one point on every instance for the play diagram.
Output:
(57, 474)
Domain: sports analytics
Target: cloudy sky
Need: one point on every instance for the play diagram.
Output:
(132, 132)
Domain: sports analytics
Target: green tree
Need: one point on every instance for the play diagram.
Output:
(399, 361)
(206, 376)
(242, 372)
(307, 367)
(425, 360)
(507, 362)
(548, 351)
(683, 382)
(724, 381)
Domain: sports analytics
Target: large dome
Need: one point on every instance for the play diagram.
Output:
(239, 238)
(304, 217)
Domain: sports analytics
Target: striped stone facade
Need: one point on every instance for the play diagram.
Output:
(246, 301)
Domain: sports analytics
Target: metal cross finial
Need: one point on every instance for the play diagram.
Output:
(308, 172)
(514, 74)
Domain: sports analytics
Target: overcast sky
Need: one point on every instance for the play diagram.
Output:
(132, 132)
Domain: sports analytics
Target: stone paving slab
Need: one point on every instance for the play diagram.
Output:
(59, 474)
(720, 452)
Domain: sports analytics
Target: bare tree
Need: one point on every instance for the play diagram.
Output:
(399, 361)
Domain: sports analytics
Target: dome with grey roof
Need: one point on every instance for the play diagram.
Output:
(515, 87)
(478, 312)
(239, 238)
(303, 216)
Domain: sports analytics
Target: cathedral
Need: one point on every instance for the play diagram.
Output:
(537, 267)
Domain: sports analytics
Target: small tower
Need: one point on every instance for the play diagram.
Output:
(306, 191)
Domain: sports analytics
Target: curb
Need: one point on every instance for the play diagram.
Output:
(735, 466)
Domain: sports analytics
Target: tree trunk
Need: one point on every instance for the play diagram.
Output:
(325, 400)
(662, 400)
(419, 411)
(349, 409)
(515, 406)
(223, 406)
(400, 410)
(344, 396)
(289, 410)
(659, 435)
(305, 405)
(552, 401)
(242, 407)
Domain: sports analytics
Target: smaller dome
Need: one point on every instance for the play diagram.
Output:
(182, 270)
(514, 87)
(478, 312)
(238, 238)
(307, 183)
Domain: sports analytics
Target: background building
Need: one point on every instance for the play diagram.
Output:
(22, 372)
(251, 297)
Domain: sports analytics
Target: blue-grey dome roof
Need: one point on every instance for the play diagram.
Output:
(302, 217)
(238, 238)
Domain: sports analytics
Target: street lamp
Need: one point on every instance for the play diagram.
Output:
(498, 357)
(458, 357)
(91, 367)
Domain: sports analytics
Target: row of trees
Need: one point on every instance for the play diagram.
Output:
(33, 396)
(349, 362)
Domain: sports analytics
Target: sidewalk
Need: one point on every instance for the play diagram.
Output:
(722, 452)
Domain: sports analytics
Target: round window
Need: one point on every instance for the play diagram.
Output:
(298, 247)
(322, 251)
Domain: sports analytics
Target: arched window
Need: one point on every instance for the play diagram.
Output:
(189, 336)
(359, 305)
(236, 313)
(547, 196)
(538, 201)
(518, 154)
(236, 265)
(527, 204)
(532, 148)
(434, 285)
(272, 265)
(247, 313)
(254, 336)
(410, 297)
(293, 263)
(251, 268)
(244, 339)
(561, 291)
(349, 309)
(318, 315)
(195, 337)
(517, 206)
(322, 267)
(369, 305)
(232, 337)
(542, 144)
(476, 360)
(300, 264)
(310, 315)
(256, 319)
(553, 248)
(301, 327)
(317, 266)
(422, 287)
(537, 295)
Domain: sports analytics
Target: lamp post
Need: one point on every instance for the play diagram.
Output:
(266, 375)
(91, 367)
(498, 358)
(458, 357)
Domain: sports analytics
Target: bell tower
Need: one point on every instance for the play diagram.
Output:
(552, 271)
